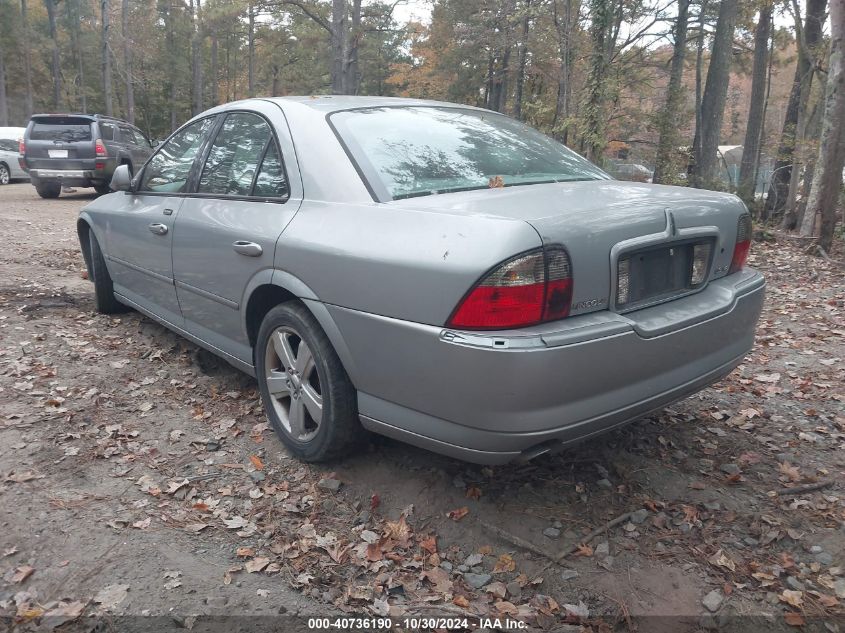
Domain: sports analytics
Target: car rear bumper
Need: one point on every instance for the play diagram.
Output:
(493, 397)
(78, 173)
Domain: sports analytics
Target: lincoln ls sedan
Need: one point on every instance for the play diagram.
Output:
(437, 273)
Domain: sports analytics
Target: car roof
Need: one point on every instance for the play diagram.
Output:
(77, 115)
(336, 103)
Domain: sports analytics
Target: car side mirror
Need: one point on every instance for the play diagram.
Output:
(121, 180)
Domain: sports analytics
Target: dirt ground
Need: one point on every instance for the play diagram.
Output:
(138, 477)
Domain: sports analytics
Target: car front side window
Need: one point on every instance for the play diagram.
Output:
(235, 154)
(169, 168)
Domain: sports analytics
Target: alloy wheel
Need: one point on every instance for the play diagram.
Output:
(4, 175)
(293, 384)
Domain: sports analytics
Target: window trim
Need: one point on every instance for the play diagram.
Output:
(193, 193)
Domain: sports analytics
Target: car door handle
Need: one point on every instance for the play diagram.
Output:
(158, 228)
(250, 249)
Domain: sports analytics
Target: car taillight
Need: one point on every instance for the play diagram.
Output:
(100, 149)
(21, 147)
(526, 290)
(743, 243)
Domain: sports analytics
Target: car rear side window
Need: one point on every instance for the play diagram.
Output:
(67, 129)
(8, 145)
(271, 181)
(169, 168)
(235, 154)
(106, 131)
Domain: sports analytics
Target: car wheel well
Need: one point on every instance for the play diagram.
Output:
(83, 231)
(261, 301)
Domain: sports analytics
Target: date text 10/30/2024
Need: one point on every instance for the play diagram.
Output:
(414, 624)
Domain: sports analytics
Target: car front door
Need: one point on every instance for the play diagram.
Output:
(227, 230)
(139, 234)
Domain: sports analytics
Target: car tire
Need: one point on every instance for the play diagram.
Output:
(102, 189)
(299, 385)
(5, 174)
(103, 286)
(48, 190)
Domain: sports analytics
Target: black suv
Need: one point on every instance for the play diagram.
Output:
(79, 150)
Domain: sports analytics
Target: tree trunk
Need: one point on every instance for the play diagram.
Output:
(777, 196)
(827, 180)
(667, 145)
(564, 24)
(351, 73)
(127, 62)
(55, 64)
(213, 80)
(27, 60)
(4, 104)
(171, 49)
(754, 129)
(196, 60)
(338, 44)
(699, 62)
(522, 61)
(106, 58)
(593, 140)
(714, 97)
(72, 7)
(251, 51)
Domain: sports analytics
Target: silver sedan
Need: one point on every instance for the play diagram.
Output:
(436, 273)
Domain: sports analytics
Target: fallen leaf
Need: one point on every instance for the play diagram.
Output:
(142, 524)
(719, 559)
(429, 544)
(235, 523)
(256, 564)
(473, 492)
(63, 612)
(793, 618)
(375, 500)
(792, 472)
(792, 598)
(460, 601)
(195, 527)
(22, 573)
(458, 514)
(399, 531)
(256, 461)
(584, 549)
(439, 578)
(505, 563)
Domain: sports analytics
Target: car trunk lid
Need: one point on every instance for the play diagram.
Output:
(655, 228)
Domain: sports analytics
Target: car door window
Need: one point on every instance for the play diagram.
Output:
(271, 181)
(234, 156)
(169, 168)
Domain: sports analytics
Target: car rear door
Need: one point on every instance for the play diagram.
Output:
(139, 233)
(226, 235)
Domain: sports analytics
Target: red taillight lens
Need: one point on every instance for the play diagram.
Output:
(21, 147)
(743, 243)
(526, 290)
(99, 148)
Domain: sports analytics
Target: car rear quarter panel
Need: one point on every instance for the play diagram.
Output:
(407, 264)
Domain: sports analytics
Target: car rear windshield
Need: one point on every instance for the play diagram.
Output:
(67, 129)
(411, 151)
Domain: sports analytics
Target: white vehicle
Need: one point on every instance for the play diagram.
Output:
(10, 168)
